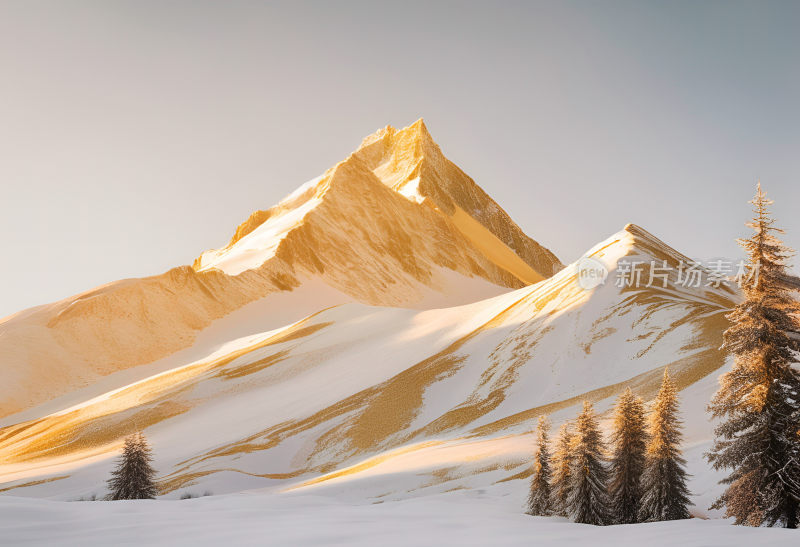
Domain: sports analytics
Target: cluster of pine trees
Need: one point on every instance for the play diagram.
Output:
(640, 479)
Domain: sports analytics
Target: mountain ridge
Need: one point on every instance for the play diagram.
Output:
(347, 229)
(398, 158)
(354, 388)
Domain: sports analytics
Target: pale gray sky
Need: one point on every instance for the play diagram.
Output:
(135, 135)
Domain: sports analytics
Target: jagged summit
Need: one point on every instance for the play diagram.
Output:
(410, 163)
(417, 134)
(409, 144)
(397, 156)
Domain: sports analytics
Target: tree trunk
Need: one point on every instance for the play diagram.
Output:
(791, 513)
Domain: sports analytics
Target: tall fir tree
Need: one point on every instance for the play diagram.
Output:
(587, 502)
(629, 441)
(561, 464)
(758, 401)
(540, 500)
(133, 479)
(666, 496)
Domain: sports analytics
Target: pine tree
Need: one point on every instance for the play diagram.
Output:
(759, 399)
(629, 441)
(540, 498)
(561, 465)
(588, 502)
(133, 477)
(666, 496)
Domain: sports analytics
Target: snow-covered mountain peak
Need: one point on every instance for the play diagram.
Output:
(409, 164)
(638, 262)
(414, 136)
(634, 243)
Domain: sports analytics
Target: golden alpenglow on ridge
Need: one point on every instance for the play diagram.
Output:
(429, 199)
(394, 224)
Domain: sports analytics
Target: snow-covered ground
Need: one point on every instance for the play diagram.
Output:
(474, 517)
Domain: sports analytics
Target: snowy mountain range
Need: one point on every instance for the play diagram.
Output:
(386, 331)
(394, 224)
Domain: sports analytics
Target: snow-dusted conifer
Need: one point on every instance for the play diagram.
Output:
(587, 501)
(540, 500)
(666, 496)
(133, 479)
(629, 441)
(759, 399)
(561, 464)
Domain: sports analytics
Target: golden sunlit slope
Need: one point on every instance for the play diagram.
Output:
(410, 162)
(353, 234)
(356, 390)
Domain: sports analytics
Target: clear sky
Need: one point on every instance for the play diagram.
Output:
(135, 135)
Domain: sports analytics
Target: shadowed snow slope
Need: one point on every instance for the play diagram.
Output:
(394, 224)
(388, 403)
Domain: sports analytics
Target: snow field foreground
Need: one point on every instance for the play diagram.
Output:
(465, 518)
